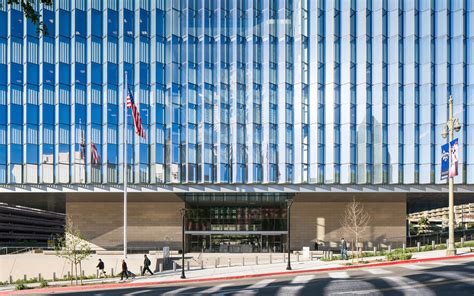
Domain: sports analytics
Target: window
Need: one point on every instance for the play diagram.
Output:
(64, 74)
(112, 23)
(128, 23)
(81, 22)
(65, 21)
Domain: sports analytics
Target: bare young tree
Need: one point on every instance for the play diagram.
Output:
(72, 247)
(355, 221)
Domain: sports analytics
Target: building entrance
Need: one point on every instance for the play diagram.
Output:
(236, 243)
(236, 223)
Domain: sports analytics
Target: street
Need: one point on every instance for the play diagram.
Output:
(453, 277)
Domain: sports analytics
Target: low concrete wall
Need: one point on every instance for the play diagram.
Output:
(33, 264)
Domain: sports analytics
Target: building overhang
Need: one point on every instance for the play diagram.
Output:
(233, 188)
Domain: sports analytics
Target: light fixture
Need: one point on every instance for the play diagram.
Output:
(457, 125)
(444, 133)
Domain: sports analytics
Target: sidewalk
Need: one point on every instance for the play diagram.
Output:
(228, 273)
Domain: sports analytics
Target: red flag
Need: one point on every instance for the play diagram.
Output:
(137, 121)
(94, 154)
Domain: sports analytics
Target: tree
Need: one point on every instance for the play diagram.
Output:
(423, 225)
(72, 247)
(31, 14)
(355, 221)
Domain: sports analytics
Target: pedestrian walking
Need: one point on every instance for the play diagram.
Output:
(343, 249)
(101, 267)
(146, 266)
(124, 270)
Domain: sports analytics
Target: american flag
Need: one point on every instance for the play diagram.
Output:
(136, 116)
(94, 154)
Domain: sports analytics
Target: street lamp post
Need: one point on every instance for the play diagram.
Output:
(183, 215)
(289, 202)
(452, 126)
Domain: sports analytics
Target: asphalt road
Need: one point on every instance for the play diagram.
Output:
(450, 277)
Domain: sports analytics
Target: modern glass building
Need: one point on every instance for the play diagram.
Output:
(303, 95)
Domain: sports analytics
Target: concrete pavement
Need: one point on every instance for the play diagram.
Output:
(228, 273)
(433, 277)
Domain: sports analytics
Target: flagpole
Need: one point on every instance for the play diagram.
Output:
(83, 152)
(125, 179)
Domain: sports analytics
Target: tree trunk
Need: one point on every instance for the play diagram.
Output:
(80, 271)
(75, 267)
(72, 272)
(352, 251)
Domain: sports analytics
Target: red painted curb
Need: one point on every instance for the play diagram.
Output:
(226, 278)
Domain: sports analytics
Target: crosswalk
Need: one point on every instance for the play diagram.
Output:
(345, 279)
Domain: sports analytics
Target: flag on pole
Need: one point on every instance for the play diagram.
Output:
(83, 146)
(94, 154)
(137, 121)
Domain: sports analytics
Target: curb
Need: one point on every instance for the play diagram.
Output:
(226, 278)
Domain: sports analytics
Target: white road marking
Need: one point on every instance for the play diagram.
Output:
(406, 285)
(138, 292)
(289, 290)
(302, 279)
(214, 289)
(253, 289)
(440, 263)
(261, 284)
(413, 266)
(339, 275)
(455, 276)
(177, 291)
(378, 271)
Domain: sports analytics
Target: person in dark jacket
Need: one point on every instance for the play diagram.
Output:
(146, 266)
(124, 270)
(343, 249)
(101, 267)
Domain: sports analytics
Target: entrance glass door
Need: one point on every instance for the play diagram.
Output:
(235, 243)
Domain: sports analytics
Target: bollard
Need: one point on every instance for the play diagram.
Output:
(39, 277)
(54, 276)
(330, 255)
(215, 263)
(202, 264)
(83, 274)
(418, 246)
(112, 272)
(462, 242)
(447, 242)
(284, 258)
(433, 245)
(404, 246)
(270, 258)
(298, 257)
(24, 276)
(160, 267)
(11, 280)
(141, 269)
(97, 274)
(187, 265)
(228, 262)
(390, 249)
(375, 251)
(243, 261)
(256, 260)
(174, 266)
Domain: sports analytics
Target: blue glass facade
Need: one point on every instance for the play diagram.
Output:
(244, 92)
